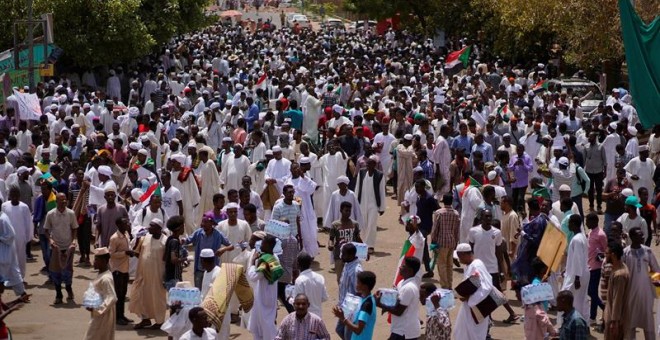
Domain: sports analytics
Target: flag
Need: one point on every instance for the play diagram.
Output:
(457, 60)
(407, 251)
(51, 202)
(471, 182)
(641, 43)
(541, 194)
(142, 171)
(48, 177)
(504, 112)
(261, 82)
(540, 86)
(153, 190)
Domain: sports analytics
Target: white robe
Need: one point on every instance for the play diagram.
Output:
(233, 170)
(19, 216)
(210, 186)
(470, 204)
(279, 170)
(315, 173)
(305, 188)
(333, 167)
(576, 265)
(333, 214)
(190, 197)
(609, 145)
(264, 311)
(258, 178)
(466, 328)
(97, 192)
(311, 113)
(644, 170)
(369, 208)
(441, 156)
(385, 156)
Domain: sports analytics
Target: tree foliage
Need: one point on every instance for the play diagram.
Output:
(98, 32)
(587, 31)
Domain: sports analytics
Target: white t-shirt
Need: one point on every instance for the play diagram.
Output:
(485, 242)
(407, 324)
(170, 199)
(629, 223)
(208, 279)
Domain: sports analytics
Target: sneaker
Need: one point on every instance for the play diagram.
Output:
(58, 301)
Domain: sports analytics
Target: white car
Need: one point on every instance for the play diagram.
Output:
(301, 20)
(358, 26)
(332, 23)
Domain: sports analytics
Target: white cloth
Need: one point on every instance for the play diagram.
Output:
(190, 196)
(279, 170)
(644, 170)
(207, 280)
(305, 188)
(9, 269)
(609, 145)
(210, 186)
(485, 244)
(233, 170)
(385, 143)
(263, 312)
(19, 216)
(576, 265)
(332, 213)
(370, 211)
(466, 328)
(470, 203)
(209, 334)
(170, 199)
(441, 156)
(313, 286)
(97, 192)
(333, 167)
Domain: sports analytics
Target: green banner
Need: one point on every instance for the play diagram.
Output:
(642, 45)
(19, 79)
(7, 59)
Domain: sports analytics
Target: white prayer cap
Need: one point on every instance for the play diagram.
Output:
(3, 152)
(144, 138)
(135, 146)
(133, 111)
(105, 170)
(408, 137)
(337, 108)
(564, 187)
(632, 130)
(418, 169)
(563, 161)
(643, 148)
(342, 179)
(627, 192)
(112, 72)
(276, 148)
(53, 106)
(181, 158)
(215, 105)
(111, 188)
(231, 205)
(136, 194)
(613, 125)
(304, 160)
(22, 169)
(86, 106)
(109, 102)
(207, 254)
(75, 105)
(269, 152)
(491, 175)
(506, 135)
(192, 144)
(239, 87)
(143, 152)
(157, 222)
(463, 248)
(75, 126)
(228, 102)
(374, 158)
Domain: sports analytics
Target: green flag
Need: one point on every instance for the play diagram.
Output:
(642, 45)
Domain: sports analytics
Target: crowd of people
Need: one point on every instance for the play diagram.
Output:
(182, 161)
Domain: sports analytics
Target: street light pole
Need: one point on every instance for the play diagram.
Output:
(30, 46)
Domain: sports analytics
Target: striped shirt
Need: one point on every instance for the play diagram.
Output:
(310, 327)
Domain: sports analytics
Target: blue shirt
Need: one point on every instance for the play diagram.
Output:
(462, 142)
(367, 314)
(486, 149)
(348, 280)
(574, 327)
(201, 241)
(252, 116)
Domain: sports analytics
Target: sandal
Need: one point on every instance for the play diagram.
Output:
(143, 324)
(512, 319)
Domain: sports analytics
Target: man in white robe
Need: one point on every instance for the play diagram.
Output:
(470, 203)
(576, 277)
(210, 180)
(304, 188)
(113, 88)
(184, 180)
(441, 157)
(640, 170)
(233, 169)
(315, 173)
(609, 145)
(278, 170)
(343, 194)
(311, 112)
(466, 328)
(334, 165)
(97, 191)
(19, 216)
(264, 311)
(382, 145)
(370, 190)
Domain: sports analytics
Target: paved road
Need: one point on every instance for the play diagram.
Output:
(41, 320)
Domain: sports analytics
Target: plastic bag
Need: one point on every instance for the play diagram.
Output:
(388, 297)
(92, 299)
(350, 305)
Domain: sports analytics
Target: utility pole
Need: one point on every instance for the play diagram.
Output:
(30, 46)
